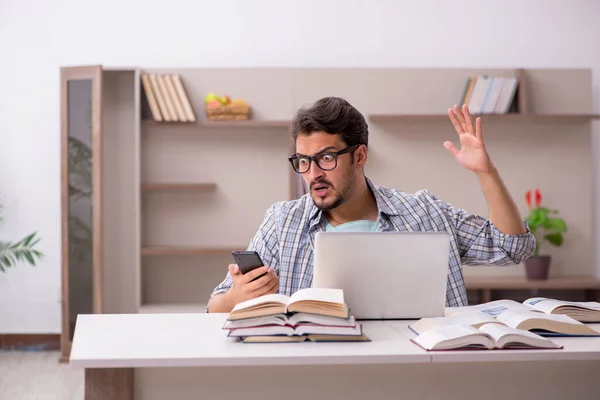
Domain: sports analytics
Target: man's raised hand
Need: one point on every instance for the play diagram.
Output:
(472, 154)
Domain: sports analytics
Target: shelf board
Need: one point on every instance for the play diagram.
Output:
(169, 308)
(516, 283)
(251, 123)
(488, 117)
(177, 187)
(186, 250)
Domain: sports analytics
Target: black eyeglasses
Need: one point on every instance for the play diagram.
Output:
(326, 160)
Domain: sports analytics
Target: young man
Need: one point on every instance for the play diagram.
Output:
(331, 151)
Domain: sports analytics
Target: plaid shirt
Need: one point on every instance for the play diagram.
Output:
(285, 239)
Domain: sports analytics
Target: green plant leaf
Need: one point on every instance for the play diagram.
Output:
(554, 238)
(537, 217)
(558, 225)
(11, 253)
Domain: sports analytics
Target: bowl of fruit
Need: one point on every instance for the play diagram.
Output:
(224, 108)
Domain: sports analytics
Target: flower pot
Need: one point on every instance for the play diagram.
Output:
(536, 267)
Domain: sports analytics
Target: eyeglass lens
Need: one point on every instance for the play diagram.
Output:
(325, 161)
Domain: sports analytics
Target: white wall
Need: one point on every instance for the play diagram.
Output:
(37, 37)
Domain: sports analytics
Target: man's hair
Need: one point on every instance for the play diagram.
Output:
(332, 115)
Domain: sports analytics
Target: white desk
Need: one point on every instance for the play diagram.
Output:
(187, 356)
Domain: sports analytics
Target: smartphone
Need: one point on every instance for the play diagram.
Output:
(247, 260)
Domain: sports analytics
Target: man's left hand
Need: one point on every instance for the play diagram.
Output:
(472, 155)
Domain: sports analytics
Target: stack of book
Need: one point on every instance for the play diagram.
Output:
(165, 96)
(506, 324)
(313, 314)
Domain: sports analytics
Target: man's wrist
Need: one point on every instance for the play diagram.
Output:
(228, 300)
(220, 303)
(489, 172)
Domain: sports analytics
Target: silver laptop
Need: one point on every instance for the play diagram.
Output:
(385, 275)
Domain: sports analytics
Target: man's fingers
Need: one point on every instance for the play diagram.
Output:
(451, 148)
(255, 273)
(455, 121)
(234, 269)
(461, 118)
(478, 128)
(260, 282)
(275, 287)
(468, 120)
(270, 287)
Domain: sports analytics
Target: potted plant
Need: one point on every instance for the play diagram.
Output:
(12, 253)
(546, 227)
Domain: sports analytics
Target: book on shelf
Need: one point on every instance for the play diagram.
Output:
(485, 94)
(166, 98)
(535, 321)
(488, 336)
(582, 311)
(312, 314)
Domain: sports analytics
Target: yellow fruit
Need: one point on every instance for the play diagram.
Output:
(211, 96)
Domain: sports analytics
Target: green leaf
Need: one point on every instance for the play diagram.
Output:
(5, 261)
(28, 239)
(11, 253)
(554, 238)
(557, 225)
(29, 258)
(537, 217)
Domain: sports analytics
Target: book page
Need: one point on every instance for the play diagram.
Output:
(318, 294)
(492, 308)
(546, 324)
(328, 330)
(549, 305)
(316, 319)
(507, 337)
(256, 321)
(514, 318)
(266, 330)
(472, 319)
(454, 337)
(266, 299)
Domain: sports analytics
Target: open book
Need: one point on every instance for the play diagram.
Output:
(305, 338)
(295, 325)
(314, 314)
(321, 301)
(583, 311)
(534, 321)
(588, 311)
(290, 320)
(487, 337)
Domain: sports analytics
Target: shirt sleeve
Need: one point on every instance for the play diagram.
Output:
(480, 242)
(265, 243)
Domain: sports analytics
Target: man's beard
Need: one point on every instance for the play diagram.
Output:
(341, 195)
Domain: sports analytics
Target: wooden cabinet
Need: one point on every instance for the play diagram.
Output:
(81, 196)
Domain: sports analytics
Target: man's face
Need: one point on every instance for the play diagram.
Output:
(328, 189)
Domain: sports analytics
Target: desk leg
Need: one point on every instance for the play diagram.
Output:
(486, 295)
(109, 384)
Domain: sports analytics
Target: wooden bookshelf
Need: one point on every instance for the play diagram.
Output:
(167, 252)
(185, 250)
(254, 124)
(178, 187)
(484, 285)
(512, 117)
